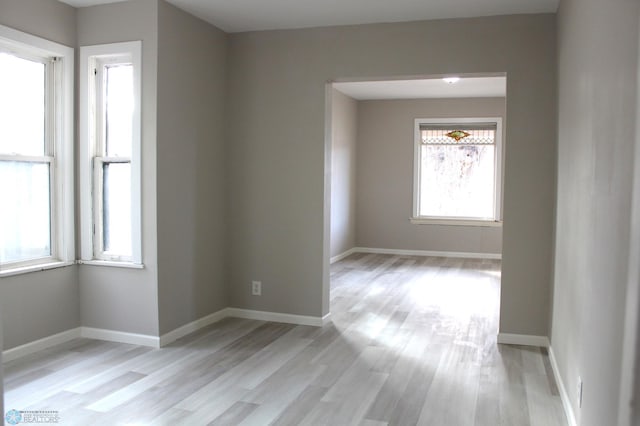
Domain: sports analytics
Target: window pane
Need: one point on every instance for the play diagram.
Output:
(25, 219)
(459, 136)
(22, 103)
(119, 110)
(117, 208)
(457, 180)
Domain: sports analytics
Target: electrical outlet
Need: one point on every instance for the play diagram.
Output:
(256, 288)
(579, 393)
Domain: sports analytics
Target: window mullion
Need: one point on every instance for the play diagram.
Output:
(50, 134)
(50, 109)
(116, 159)
(98, 193)
(100, 122)
(98, 160)
(27, 158)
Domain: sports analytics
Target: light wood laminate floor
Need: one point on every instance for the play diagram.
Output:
(412, 341)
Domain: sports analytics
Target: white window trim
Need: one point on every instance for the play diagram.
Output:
(24, 269)
(62, 195)
(460, 221)
(449, 221)
(87, 152)
(111, 264)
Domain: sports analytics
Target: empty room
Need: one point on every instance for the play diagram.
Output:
(411, 212)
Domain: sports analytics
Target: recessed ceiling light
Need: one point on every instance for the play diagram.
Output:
(451, 80)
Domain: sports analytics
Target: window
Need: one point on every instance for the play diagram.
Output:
(36, 152)
(110, 152)
(457, 170)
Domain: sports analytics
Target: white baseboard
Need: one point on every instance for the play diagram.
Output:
(277, 317)
(165, 339)
(196, 325)
(40, 344)
(456, 254)
(341, 256)
(564, 396)
(523, 339)
(120, 337)
(326, 319)
(171, 336)
(74, 333)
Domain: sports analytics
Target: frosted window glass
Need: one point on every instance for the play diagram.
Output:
(22, 105)
(25, 220)
(117, 208)
(119, 110)
(457, 181)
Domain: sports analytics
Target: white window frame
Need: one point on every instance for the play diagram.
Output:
(450, 220)
(59, 149)
(90, 205)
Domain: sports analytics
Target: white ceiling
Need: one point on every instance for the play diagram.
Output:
(473, 87)
(252, 15)
(85, 3)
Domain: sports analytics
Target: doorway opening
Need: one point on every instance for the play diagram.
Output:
(378, 151)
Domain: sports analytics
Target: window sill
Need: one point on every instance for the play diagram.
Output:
(112, 264)
(455, 222)
(34, 268)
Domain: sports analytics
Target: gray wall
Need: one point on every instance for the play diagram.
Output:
(39, 304)
(344, 121)
(385, 177)
(598, 72)
(1, 368)
(192, 242)
(277, 148)
(116, 298)
(48, 19)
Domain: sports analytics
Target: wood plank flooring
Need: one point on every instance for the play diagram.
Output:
(412, 342)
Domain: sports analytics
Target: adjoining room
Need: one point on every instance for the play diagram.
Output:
(241, 212)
